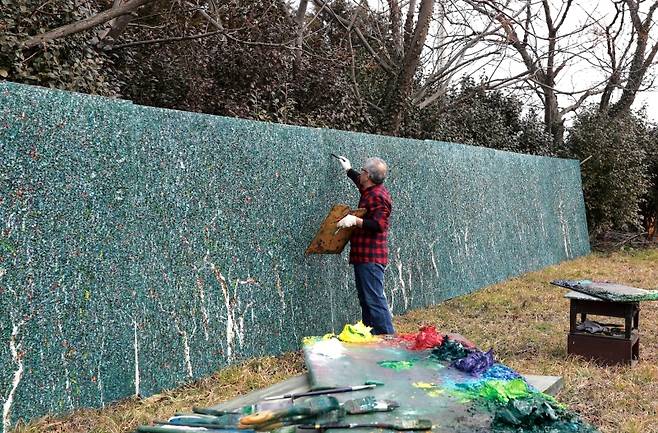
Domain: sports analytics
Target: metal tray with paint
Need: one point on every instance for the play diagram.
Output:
(329, 239)
(612, 292)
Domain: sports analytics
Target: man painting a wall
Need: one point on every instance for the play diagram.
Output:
(369, 243)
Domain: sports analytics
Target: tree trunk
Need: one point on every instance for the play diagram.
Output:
(299, 21)
(395, 51)
(552, 118)
(408, 68)
(640, 63)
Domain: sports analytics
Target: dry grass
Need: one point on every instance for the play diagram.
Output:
(126, 415)
(524, 319)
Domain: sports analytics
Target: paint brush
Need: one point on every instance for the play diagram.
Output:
(321, 392)
(186, 429)
(197, 425)
(335, 156)
(189, 421)
(213, 412)
(311, 407)
(368, 405)
(400, 425)
(227, 420)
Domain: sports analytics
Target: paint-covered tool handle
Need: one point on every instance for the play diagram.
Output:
(322, 392)
(187, 429)
(400, 425)
(214, 412)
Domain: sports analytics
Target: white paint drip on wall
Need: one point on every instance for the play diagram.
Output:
(99, 372)
(136, 353)
(242, 310)
(436, 269)
(406, 299)
(279, 290)
(185, 337)
(204, 311)
(186, 353)
(331, 305)
(185, 341)
(294, 320)
(234, 311)
(403, 286)
(282, 301)
(67, 373)
(563, 226)
(15, 349)
(519, 228)
(346, 284)
(230, 335)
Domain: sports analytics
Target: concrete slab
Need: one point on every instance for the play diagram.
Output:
(550, 385)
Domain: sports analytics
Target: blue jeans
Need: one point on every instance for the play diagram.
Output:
(369, 279)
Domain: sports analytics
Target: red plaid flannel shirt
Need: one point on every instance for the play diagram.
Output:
(367, 245)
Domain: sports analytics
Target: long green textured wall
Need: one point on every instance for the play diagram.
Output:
(142, 247)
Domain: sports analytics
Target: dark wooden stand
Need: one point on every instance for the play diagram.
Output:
(606, 349)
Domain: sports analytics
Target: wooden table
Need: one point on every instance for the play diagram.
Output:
(606, 349)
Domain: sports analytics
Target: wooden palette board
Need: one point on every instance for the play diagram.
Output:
(329, 239)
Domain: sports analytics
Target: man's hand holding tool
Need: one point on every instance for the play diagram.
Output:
(344, 162)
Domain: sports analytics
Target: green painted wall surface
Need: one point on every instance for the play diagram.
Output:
(142, 247)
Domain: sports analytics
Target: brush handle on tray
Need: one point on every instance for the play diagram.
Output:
(321, 392)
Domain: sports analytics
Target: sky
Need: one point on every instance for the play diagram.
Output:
(580, 74)
(649, 98)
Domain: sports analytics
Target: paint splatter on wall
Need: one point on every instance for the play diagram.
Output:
(143, 247)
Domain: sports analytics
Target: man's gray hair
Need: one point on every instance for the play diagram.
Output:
(377, 169)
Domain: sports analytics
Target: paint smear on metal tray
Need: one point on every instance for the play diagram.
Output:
(397, 365)
(432, 389)
(331, 348)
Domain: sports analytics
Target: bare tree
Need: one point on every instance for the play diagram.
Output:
(117, 12)
(299, 21)
(546, 44)
(414, 41)
(421, 46)
(612, 40)
(629, 63)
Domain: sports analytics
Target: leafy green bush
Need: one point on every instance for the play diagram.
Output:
(251, 74)
(70, 63)
(649, 206)
(615, 173)
(493, 119)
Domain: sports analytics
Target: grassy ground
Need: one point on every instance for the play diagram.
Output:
(524, 319)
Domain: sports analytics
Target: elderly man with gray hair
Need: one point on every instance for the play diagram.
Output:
(368, 243)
